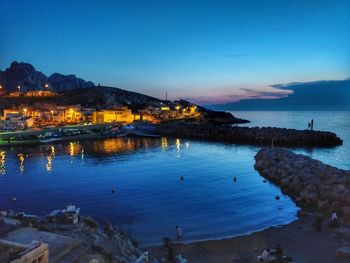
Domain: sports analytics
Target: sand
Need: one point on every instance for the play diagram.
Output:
(298, 239)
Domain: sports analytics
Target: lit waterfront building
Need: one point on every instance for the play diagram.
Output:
(119, 114)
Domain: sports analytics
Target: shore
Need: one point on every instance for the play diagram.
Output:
(317, 188)
(298, 239)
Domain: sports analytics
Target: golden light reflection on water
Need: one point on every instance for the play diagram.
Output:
(74, 149)
(164, 143)
(49, 164)
(93, 148)
(21, 162)
(178, 144)
(113, 146)
(120, 145)
(2, 162)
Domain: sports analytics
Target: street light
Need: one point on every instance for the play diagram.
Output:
(25, 111)
(19, 88)
(46, 85)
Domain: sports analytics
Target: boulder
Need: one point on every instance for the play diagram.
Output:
(89, 221)
(109, 230)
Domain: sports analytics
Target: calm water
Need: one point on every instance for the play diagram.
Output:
(150, 198)
(334, 121)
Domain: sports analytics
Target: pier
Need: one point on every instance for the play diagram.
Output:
(264, 136)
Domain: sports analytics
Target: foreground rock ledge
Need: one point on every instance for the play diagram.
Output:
(310, 183)
(252, 136)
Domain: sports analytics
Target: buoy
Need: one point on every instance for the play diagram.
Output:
(113, 190)
(234, 179)
(277, 197)
(181, 178)
(14, 199)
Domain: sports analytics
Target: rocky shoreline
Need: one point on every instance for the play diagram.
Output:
(70, 242)
(310, 183)
(265, 136)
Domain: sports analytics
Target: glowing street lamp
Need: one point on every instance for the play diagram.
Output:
(19, 88)
(46, 86)
(25, 111)
(0, 87)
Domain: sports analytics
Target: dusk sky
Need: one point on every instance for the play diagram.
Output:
(207, 51)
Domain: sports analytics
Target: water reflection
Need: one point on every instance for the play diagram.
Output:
(96, 149)
(2, 162)
(50, 158)
(178, 144)
(21, 162)
(75, 148)
(164, 143)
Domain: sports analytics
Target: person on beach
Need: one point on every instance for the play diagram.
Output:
(264, 256)
(179, 234)
(334, 220)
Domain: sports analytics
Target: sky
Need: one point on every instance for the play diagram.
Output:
(205, 51)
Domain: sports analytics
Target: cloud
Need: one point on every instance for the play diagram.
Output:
(275, 93)
(241, 94)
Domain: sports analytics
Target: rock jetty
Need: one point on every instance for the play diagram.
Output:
(265, 136)
(311, 183)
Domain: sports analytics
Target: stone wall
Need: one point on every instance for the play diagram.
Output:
(252, 136)
(310, 183)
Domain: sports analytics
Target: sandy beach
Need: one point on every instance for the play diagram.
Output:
(298, 239)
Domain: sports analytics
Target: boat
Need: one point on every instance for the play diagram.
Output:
(49, 137)
(142, 129)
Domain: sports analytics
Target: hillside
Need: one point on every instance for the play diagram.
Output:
(72, 90)
(28, 78)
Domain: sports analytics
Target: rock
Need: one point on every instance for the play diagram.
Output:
(109, 230)
(89, 221)
(322, 204)
(343, 253)
(3, 213)
(344, 232)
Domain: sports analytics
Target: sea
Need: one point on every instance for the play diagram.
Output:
(148, 186)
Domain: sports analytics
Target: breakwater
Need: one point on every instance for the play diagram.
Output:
(264, 136)
(310, 183)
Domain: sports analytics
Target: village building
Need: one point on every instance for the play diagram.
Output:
(14, 120)
(34, 252)
(40, 93)
(119, 114)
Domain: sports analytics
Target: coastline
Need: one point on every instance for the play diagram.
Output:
(298, 239)
(245, 248)
(318, 189)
